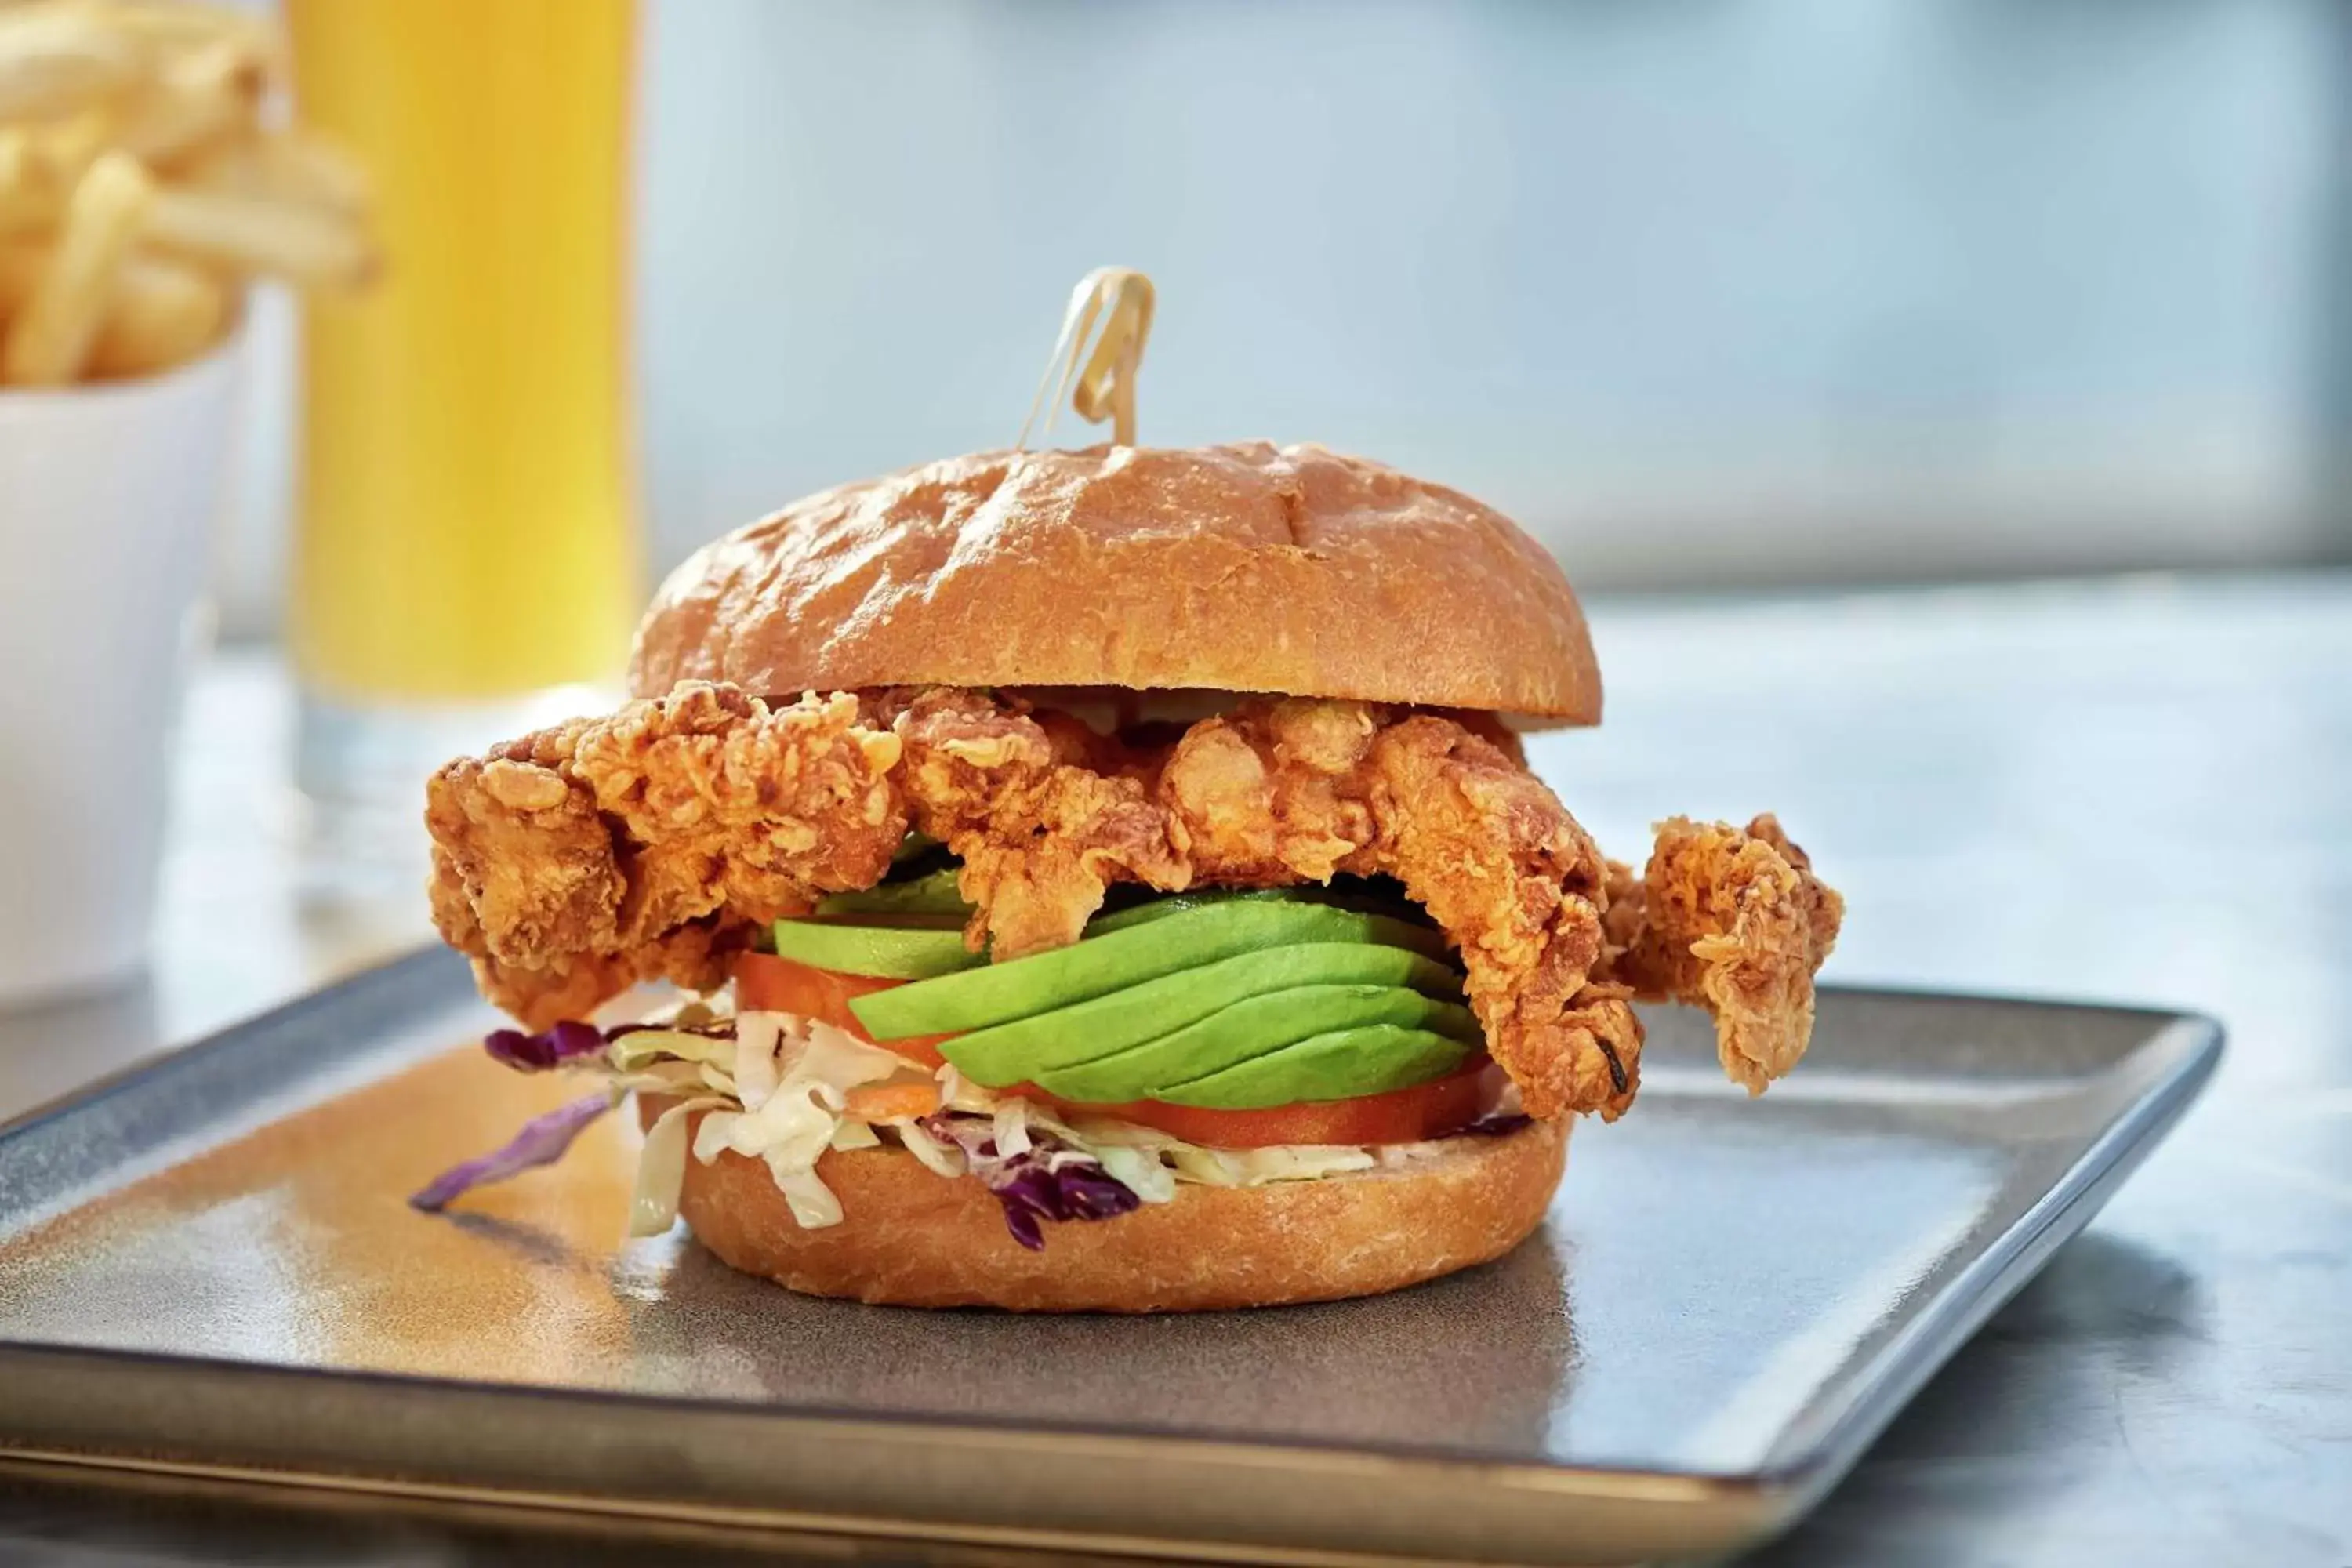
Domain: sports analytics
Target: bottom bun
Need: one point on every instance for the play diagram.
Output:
(912, 1238)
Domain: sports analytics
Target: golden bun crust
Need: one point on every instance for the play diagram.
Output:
(1235, 568)
(911, 1239)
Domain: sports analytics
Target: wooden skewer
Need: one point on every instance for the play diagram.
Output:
(1101, 384)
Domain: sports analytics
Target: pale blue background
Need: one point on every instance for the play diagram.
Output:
(1804, 288)
(1704, 292)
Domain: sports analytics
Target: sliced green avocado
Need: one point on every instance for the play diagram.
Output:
(933, 893)
(1250, 1028)
(895, 952)
(1016, 988)
(1017, 1051)
(1390, 931)
(1341, 1065)
(1177, 903)
(1339, 896)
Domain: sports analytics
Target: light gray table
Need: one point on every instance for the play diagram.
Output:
(2136, 790)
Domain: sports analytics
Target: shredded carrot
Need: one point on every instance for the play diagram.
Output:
(891, 1101)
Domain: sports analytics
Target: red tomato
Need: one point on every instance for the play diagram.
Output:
(766, 984)
(1400, 1116)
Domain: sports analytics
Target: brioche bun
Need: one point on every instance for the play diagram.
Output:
(1235, 568)
(909, 1238)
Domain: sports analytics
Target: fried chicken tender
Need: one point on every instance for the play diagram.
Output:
(576, 861)
(580, 859)
(1045, 814)
(1297, 789)
(1733, 921)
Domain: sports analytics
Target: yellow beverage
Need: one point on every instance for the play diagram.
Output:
(467, 509)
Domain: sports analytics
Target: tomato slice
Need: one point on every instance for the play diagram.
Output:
(766, 984)
(1400, 1116)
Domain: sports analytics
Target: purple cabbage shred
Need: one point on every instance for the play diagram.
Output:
(572, 1039)
(541, 1142)
(1048, 1183)
(567, 1041)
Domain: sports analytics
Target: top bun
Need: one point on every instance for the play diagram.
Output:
(1237, 568)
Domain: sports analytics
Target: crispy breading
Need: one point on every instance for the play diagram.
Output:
(1491, 853)
(1270, 794)
(1733, 921)
(574, 862)
(579, 860)
(522, 864)
(1296, 789)
(1043, 814)
(573, 985)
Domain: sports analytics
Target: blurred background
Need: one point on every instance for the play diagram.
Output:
(1720, 300)
(1704, 293)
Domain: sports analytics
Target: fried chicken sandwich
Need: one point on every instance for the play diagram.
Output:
(1102, 879)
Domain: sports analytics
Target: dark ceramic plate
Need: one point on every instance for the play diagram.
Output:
(207, 1268)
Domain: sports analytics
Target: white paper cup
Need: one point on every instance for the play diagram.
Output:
(108, 499)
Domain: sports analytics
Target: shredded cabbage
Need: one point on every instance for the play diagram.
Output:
(661, 1168)
(757, 1037)
(775, 1086)
(1139, 1172)
(1011, 1122)
(541, 1142)
(1034, 1182)
(567, 1041)
(855, 1135)
(799, 1117)
(941, 1157)
(1216, 1167)
(641, 1047)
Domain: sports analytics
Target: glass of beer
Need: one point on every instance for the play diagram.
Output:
(467, 562)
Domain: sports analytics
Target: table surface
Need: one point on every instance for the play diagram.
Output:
(2135, 790)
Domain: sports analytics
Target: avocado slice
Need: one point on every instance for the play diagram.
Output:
(934, 893)
(1342, 1064)
(978, 998)
(1345, 896)
(1249, 1029)
(1386, 929)
(917, 948)
(1053, 1037)
(1177, 903)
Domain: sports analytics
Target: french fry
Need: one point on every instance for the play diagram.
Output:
(208, 94)
(20, 269)
(181, 25)
(49, 340)
(29, 210)
(299, 243)
(65, 149)
(141, 184)
(26, 205)
(291, 168)
(56, 61)
(162, 313)
(16, 170)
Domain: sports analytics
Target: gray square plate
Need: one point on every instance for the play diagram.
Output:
(206, 1267)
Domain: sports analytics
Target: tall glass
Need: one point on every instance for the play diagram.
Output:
(465, 561)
